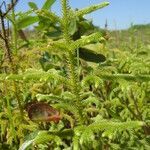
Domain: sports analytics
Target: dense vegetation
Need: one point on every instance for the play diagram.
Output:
(68, 84)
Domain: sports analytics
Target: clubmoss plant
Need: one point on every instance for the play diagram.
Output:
(100, 110)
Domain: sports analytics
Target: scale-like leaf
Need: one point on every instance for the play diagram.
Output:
(47, 5)
(26, 21)
(32, 5)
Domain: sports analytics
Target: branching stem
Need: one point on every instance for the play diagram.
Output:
(5, 38)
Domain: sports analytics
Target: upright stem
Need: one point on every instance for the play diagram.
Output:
(78, 64)
(10, 60)
(15, 44)
(10, 116)
(4, 37)
(71, 56)
(73, 76)
(139, 114)
(71, 60)
(14, 31)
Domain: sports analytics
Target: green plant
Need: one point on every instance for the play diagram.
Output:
(102, 106)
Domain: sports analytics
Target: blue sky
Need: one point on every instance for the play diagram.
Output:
(119, 14)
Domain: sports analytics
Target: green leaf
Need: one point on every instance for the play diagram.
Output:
(48, 16)
(72, 26)
(27, 21)
(44, 136)
(92, 38)
(129, 77)
(32, 5)
(91, 56)
(47, 5)
(54, 34)
(26, 144)
(92, 8)
(86, 25)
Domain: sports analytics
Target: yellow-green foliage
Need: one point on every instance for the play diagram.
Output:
(102, 105)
